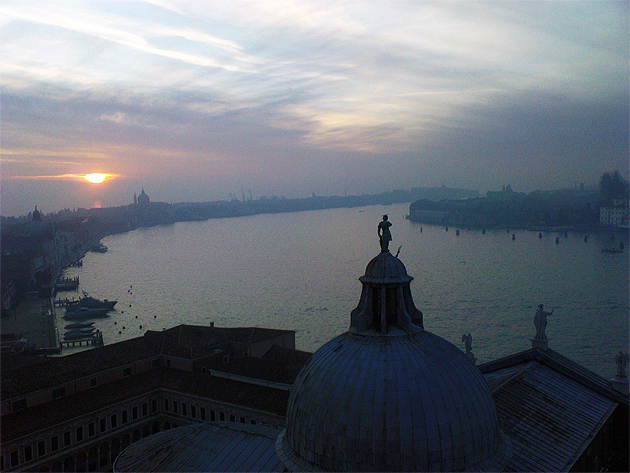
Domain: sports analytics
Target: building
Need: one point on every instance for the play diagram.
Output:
(78, 412)
(616, 215)
(390, 396)
(387, 395)
(143, 198)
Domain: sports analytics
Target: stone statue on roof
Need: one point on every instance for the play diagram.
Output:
(622, 365)
(384, 235)
(540, 322)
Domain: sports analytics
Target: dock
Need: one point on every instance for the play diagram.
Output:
(94, 340)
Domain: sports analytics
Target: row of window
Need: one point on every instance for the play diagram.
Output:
(191, 410)
(80, 433)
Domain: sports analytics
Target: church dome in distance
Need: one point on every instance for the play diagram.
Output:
(390, 396)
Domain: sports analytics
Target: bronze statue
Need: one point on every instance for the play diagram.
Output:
(384, 235)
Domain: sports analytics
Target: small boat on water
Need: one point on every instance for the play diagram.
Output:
(99, 248)
(75, 335)
(78, 325)
(612, 250)
(85, 313)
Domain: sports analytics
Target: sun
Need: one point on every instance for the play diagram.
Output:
(95, 177)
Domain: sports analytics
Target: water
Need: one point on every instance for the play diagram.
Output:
(300, 271)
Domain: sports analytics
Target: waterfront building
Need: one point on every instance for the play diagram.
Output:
(616, 215)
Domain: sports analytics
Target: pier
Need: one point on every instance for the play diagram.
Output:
(93, 340)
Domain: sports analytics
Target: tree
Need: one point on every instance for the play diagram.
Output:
(612, 186)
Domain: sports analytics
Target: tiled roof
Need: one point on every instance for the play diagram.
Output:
(557, 362)
(279, 364)
(549, 418)
(186, 341)
(44, 415)
(203, 447)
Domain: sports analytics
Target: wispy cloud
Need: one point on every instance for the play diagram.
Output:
(241, 86)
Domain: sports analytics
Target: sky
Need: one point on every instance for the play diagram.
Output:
(196, 100)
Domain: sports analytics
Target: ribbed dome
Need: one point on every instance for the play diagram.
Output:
(408, 403)
(388, 395)
(386, 267)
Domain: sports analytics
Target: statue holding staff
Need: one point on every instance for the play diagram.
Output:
(540, 322)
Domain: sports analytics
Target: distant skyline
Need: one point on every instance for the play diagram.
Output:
(194, 100)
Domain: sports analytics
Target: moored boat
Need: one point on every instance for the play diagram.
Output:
(85, 313)
(91, 303)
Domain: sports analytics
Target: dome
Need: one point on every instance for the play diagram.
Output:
(386, 267)
(408, 403)
(389, 396)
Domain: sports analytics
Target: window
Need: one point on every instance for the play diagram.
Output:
(134, 412)
(154, 406)
(60, 392)
(226, 358)
(204, 370)
(79, 433)
(127, 372)
(253, 421)
(18, 405)
(213, 416)
(54, 443)
(241, 420)
(155, 363)
(124, 419)
(175, 407)
(102, 424)
(193, 411)
(41, 448)
(168, 363)
(93, 382)
(166, 403)
(202, 413)
(222, 416)
(91, 429)
(67, 439)
(232, 418)
(145, 409)
(28, 453)
(184, 408)
(14, 458)
(113, 420)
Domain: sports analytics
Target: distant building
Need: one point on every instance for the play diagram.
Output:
(143, 198)
(616, 215)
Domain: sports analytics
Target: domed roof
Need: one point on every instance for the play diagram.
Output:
(388, 395)
(409, 403)
(386, 268)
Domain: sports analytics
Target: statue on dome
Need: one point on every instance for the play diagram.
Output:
(384, 235)
(540, 322)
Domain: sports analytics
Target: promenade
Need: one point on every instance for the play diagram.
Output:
(31, 325)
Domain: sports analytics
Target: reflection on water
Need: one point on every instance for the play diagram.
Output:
(300, 271)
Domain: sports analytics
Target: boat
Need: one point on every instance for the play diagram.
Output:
(78, 335)
(91, 303)
(85, 313)
(99, 248)
(78, 325)
(612, 250)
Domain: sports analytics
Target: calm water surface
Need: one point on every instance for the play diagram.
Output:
(300, 271)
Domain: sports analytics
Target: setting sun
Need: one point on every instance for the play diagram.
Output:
(95, 178)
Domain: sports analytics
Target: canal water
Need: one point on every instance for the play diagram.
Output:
(300, 271)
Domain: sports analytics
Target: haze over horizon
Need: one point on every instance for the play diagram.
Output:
(195, 100)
